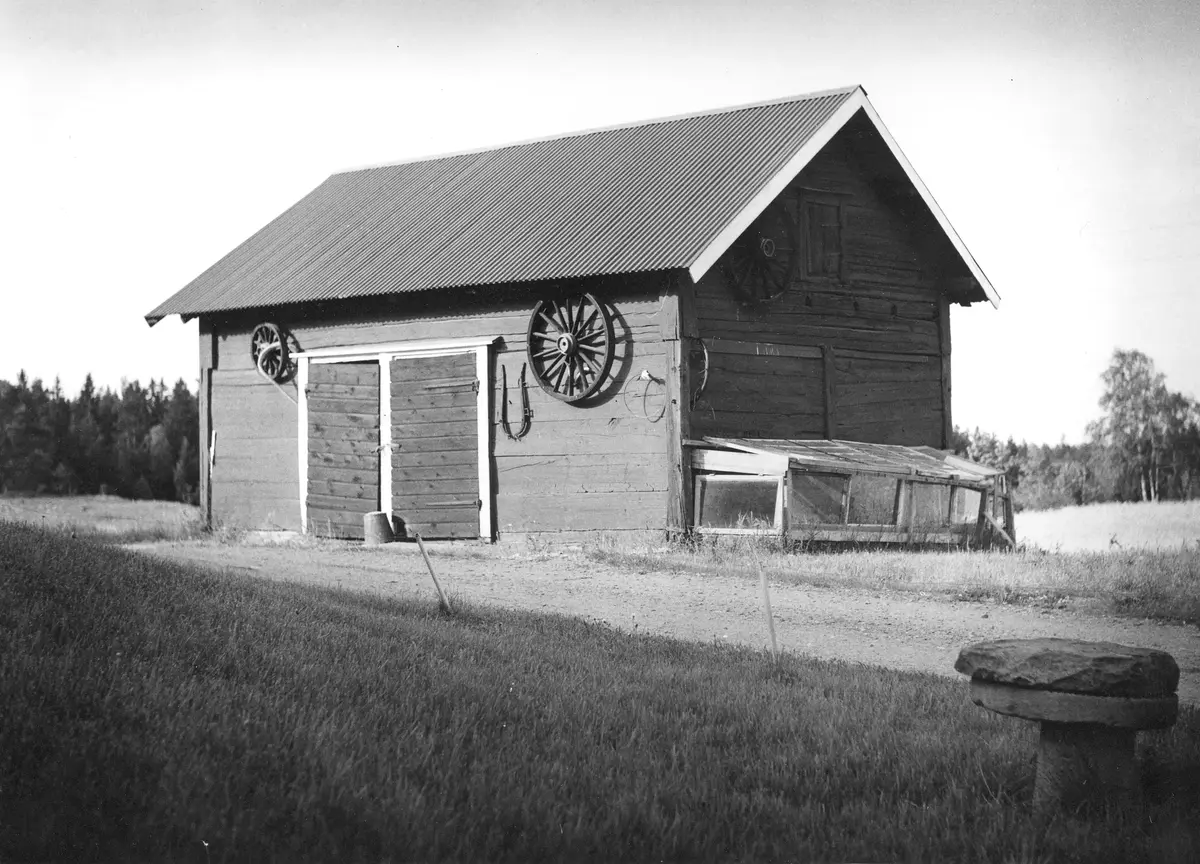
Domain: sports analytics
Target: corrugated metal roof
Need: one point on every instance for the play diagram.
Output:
(844, 457)
(640, 197)
(658, 195)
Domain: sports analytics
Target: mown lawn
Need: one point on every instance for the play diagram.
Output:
(158, 712)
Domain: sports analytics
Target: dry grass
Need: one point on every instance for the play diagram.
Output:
(1146, 583)
(105, 517)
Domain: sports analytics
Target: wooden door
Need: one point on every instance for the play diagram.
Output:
(343, 447)
(435, 445)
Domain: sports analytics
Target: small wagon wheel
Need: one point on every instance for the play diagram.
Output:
(762, 263)
(269, 351)
(570, 346)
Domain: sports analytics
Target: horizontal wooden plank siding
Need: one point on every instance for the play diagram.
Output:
(890, 401)
(580, 473)
(884, 303)
(599, 511)
(574, 458)
(343, 456)
(254, 476)
(624, 425)
(764, 396)
(429, 416)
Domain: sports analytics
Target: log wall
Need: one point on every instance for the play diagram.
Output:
(603, 466)
(863, 355)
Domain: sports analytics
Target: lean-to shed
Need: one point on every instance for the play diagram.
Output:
(540, 337)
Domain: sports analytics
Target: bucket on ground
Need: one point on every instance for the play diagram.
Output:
(377, 527)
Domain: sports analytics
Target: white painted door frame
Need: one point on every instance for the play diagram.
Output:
(384, 353)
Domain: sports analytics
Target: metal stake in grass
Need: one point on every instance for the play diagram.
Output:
(445, 601)
(766, 598)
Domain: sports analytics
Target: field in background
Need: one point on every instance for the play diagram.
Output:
(1103, 527)
(155, 711)
(105, 516)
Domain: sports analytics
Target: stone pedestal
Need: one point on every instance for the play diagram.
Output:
(1082, 763)
(1090, 698)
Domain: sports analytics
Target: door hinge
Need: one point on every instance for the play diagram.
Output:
(475, 386)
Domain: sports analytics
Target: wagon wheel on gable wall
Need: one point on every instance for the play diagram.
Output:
(269, 351)
(570, 346)
(761, 264)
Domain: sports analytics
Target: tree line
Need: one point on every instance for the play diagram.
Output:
(139, 442)
(1144, 447)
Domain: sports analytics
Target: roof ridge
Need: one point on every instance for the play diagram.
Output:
(559, 136)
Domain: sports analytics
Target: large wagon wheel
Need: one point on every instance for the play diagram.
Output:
(269, 351)
(570, 346)
(762, 263)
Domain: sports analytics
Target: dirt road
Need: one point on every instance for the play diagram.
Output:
(900, 630)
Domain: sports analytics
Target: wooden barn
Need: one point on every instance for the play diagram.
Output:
(625, 329)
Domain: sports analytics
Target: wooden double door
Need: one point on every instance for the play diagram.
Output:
(399, 435)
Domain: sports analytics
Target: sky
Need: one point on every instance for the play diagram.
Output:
(144, 139)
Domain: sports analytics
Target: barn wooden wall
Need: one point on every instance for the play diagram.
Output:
(579, 468)
(254, 474)
(863, 357)
(343, 449)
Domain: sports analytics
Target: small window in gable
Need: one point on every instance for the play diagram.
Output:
(821, 226)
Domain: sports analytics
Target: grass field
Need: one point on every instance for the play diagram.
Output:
(156, 712)
(105, 516)
(1165, 525)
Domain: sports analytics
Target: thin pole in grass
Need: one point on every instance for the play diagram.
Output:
(766, 599)
(441, 594)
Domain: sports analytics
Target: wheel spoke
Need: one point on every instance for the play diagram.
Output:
(581, 317)
(566, 382)
(586, 327)
(559, 318)
(552, 323)
(558, 377)
(555, 362)
(747, 272)
(600, 333)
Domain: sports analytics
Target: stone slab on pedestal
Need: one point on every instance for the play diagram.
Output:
(1072, 666)
(1090, 699)
(1117, 712)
